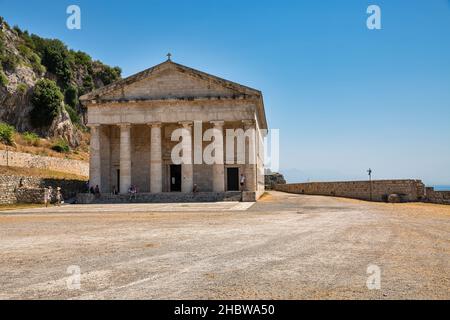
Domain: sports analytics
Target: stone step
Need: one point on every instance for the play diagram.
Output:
(164, 197)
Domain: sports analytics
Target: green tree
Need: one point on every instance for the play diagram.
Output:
(71, 96)
(55, 57)
(88, 85)
(47, 99)
(109, 75)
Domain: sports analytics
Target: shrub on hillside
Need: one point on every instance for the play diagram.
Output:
(6, 133)
(33, 58)
(9, 62)
(31, 139)
(74, 117)
(2, 42)
(22, 88)
(3, 79)
(71, 96)
(47, 99)
(61, 146)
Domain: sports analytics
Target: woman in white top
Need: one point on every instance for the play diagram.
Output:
(242, 182)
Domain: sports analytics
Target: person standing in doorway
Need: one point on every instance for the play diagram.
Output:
(242, 181)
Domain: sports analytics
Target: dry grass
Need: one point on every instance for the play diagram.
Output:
(16, 206)
(41, 173)
(43, 148)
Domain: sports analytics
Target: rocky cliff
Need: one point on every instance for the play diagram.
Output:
(273, 178)
(25, 60)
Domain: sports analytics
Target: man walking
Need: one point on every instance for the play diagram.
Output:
(58, 196)
(47, 196)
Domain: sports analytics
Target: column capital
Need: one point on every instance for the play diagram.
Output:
(186, 124)
(94, 127)
(217, 123)
(156, 124)
(248, 122)
(124, 125)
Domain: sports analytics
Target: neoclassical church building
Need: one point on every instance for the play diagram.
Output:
(132, 122)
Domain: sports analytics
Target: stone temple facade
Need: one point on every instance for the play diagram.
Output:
(133, 121)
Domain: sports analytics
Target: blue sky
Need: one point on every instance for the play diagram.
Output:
(345, 98)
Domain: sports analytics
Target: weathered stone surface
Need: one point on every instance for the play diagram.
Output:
(27, 160)
(62, 127)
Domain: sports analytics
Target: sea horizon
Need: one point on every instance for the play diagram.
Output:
(441, 187)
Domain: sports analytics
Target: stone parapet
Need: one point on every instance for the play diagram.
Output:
(377, 190)
(440, 197)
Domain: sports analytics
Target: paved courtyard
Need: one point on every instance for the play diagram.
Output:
(283, 247)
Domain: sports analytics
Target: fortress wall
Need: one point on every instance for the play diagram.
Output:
(377, 190)
(441, 197)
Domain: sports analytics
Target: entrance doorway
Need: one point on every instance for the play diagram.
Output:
(118, 180)
(175, 178)
(232, 179)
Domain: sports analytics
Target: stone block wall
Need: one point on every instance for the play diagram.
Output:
(377, 190)
(30, 195)
(441, 197)
(163, 197)
(22, 189)
(27, 160)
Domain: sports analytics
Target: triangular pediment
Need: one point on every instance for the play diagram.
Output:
(170, 81)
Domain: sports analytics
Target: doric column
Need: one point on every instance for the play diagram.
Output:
(187, 169)
(250, 159)
(105, 158)
(218, 167)
(125, 157)
(94, 157)
(155, 158)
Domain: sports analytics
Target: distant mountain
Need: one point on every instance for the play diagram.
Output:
(41, 80)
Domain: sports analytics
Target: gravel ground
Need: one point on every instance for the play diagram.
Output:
(283, 247)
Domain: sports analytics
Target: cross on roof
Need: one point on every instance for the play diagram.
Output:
(169, 55)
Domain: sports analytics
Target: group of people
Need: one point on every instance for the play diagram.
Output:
(48, 196)
(133, 190)
(95, 191)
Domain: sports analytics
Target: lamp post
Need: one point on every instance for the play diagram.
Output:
(370, 182)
